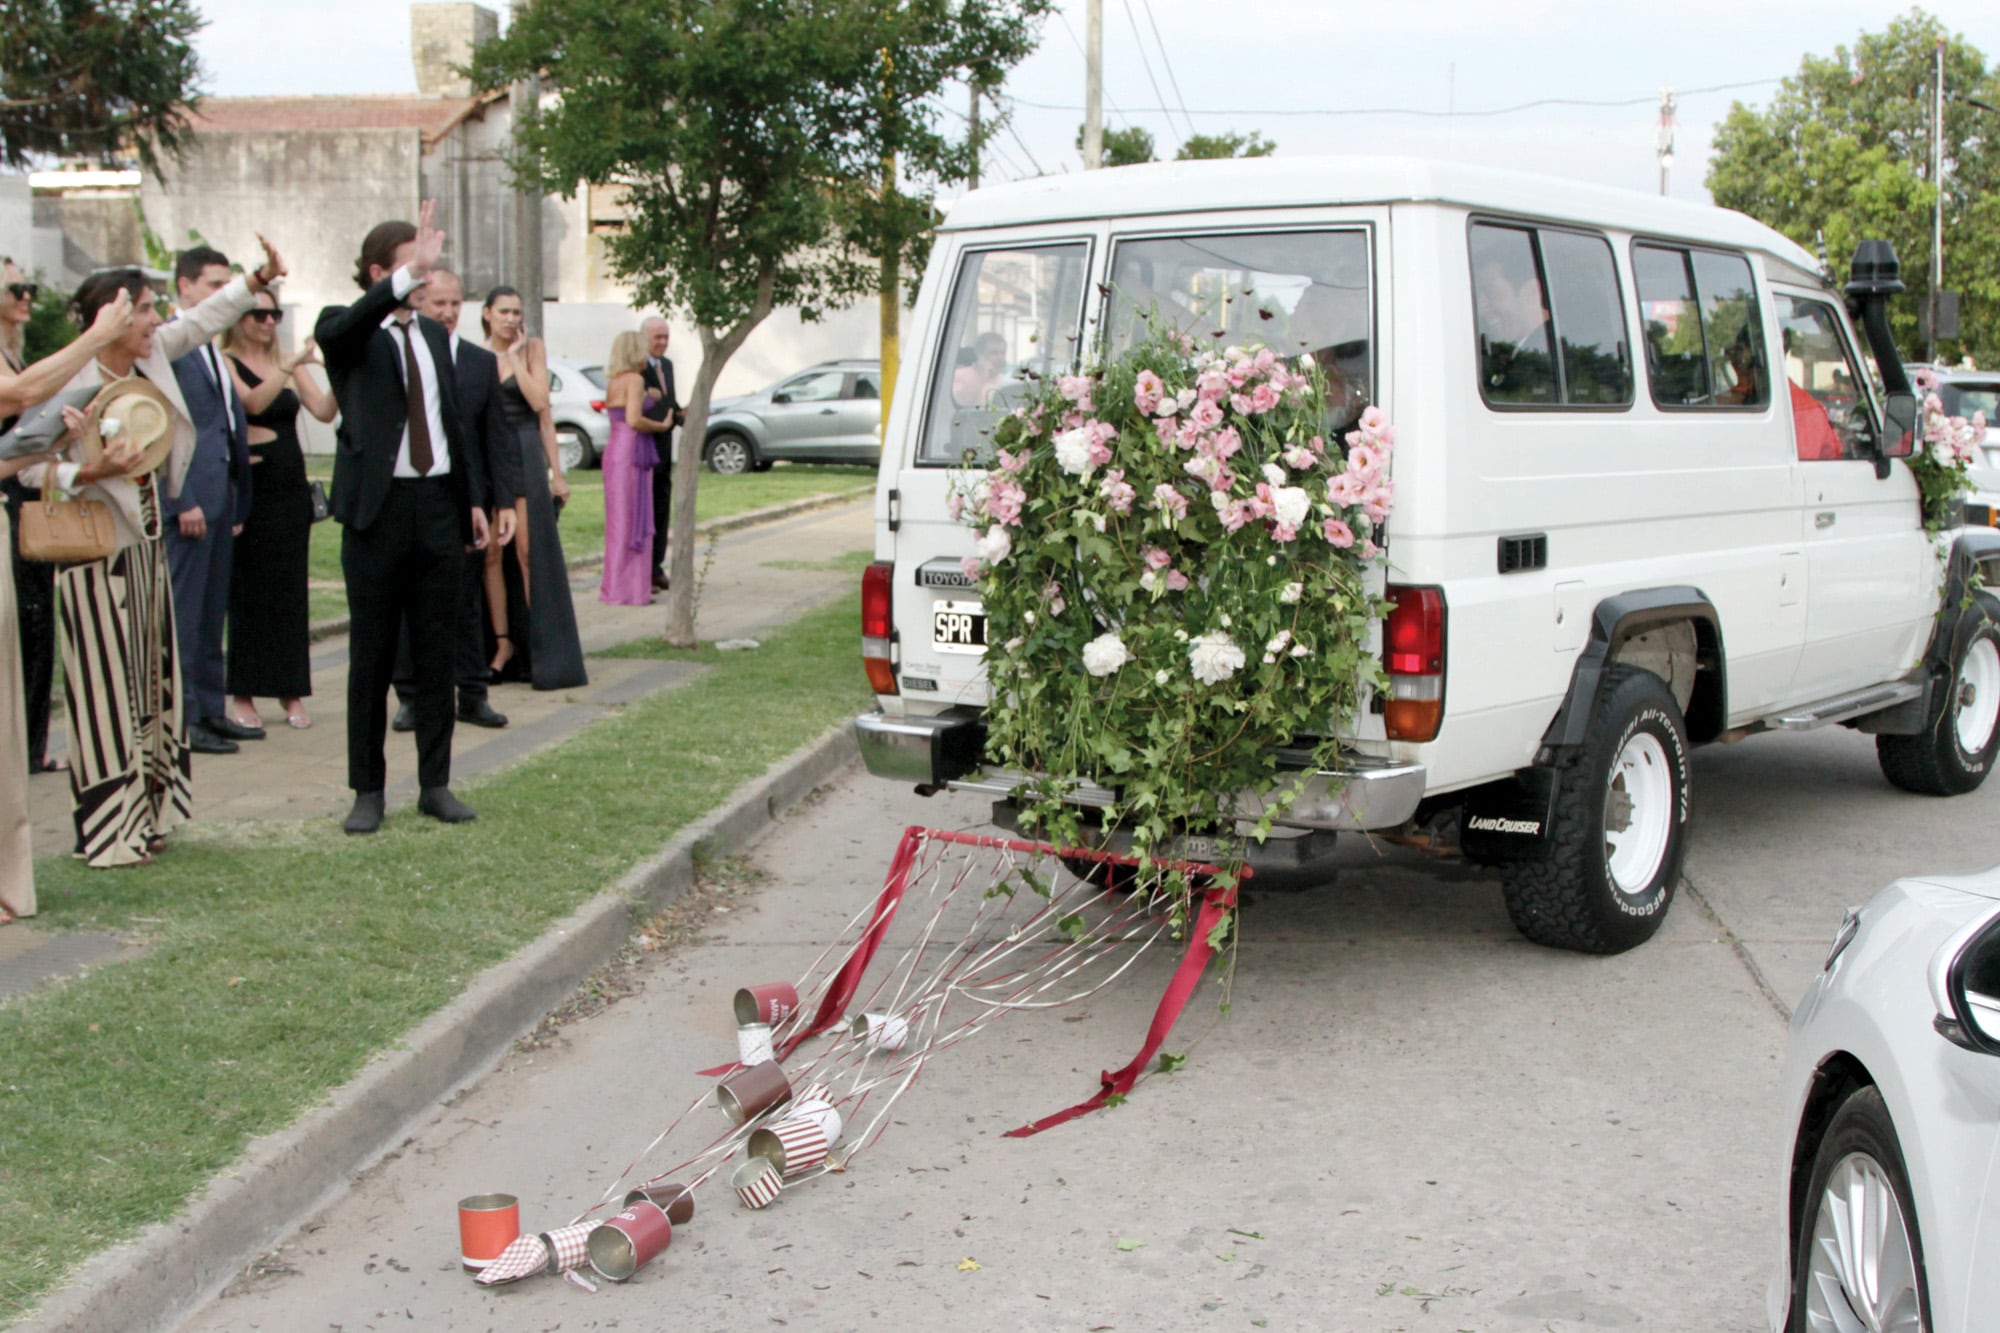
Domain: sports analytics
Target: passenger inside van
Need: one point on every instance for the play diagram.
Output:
(972, 385)
(1515, 360)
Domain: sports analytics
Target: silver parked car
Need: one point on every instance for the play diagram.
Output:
(1890, 1205)
(830, 413)
(576, 401)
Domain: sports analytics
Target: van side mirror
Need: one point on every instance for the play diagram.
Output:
(1899, 415)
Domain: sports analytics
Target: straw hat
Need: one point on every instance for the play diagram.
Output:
(134, 409)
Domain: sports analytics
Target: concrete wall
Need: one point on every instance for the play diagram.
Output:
(95, 230)
(17, 221)
(442, 36)
(315, 193)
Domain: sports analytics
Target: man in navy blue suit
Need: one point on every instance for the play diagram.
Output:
(206, 516)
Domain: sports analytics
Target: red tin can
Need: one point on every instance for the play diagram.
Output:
(677, 1201)
(749, 1092)
(487, 1225)
(628, 1242)
(772, 1003)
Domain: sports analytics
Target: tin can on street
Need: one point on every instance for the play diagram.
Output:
(794, 1145)
(487, 1225)
(757, 1183)
(677, 1201)
(628, 1242)
(753, 1044)
(772, 1003)
(748, 1093)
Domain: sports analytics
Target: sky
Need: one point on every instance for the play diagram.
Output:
(1278, 67)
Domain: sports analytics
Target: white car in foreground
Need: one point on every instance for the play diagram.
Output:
(1892, 1080)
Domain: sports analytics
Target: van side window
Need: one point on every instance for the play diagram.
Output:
(1829, 416)
(1704, 332)
(1549, 318)
(1296, 292)
(1016, 315)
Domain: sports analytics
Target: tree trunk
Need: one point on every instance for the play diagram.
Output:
(715, 354)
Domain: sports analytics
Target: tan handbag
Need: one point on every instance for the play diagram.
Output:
(67, 532)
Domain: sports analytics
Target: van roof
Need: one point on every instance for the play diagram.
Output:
(1289, 182)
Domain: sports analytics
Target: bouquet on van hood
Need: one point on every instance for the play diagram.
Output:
(1174, 553)
(1948, 449)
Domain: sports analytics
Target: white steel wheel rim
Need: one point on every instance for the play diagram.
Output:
(1978, 695)
(1638, 812)
(1861, 1272)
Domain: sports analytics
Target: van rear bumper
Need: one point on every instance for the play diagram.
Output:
(946, 752)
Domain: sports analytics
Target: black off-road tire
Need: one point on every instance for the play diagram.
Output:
(1567, 897)
(1861, 1125)
(1937, 761)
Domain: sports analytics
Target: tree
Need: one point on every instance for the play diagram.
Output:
(750, 137)
(96, 78)
(1844, 149)
(1123, 148)
(1230, 144)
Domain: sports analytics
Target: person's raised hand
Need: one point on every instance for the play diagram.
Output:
(430, 241)
(113, 321)
(273, 266)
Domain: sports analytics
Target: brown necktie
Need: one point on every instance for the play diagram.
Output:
(413, 396)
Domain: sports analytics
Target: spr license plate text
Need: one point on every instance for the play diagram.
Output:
(958, 627)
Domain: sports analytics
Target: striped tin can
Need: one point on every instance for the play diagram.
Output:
(795, 1145)
(757, 1183)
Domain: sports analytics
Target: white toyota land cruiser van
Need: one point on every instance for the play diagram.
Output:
(1645, 497)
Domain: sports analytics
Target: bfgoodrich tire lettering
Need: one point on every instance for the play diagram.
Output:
(1858, 1260)
(1955, 750)
(1608, 867)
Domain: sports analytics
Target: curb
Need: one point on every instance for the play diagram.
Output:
(175, 1267)
(749, 518)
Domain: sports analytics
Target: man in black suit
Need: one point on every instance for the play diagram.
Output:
(410, 491)
(441, 298)
(658, 377)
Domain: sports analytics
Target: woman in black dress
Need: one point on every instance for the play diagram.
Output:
(268, 631)
(527, 584)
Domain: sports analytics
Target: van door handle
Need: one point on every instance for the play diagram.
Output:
(1823, 520)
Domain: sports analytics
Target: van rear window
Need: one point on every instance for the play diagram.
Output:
(1016, 315)
(1296, 292)
(1704, 332)
(1549, 318)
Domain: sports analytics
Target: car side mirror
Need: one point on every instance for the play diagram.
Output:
(781, 398)
(1965, 983)
(1900, 415)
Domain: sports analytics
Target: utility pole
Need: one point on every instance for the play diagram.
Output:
(1665, 145)
(1937, 211)
(1093, 87)
(973, 137)
(525, 99)
(889, 289)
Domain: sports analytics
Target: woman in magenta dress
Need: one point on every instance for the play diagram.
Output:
(629, 460)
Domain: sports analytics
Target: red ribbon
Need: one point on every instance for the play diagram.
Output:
(1215, 903)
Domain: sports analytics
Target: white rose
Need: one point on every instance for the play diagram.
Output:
(1274, 474)
(994, 544)
(1160, 676)
(1214, 658)
(1291, 505)
(1073, 452)
(1291, 592)
(1105, 654)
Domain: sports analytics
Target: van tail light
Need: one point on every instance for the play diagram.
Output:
(1413, 643)
(877, 627)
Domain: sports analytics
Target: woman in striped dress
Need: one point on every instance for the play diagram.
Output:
(130, 769)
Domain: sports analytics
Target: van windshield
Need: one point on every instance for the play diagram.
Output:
(1296, 292)
(1016, 316)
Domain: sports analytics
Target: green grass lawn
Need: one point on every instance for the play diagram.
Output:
(582, 524)
(281, 956)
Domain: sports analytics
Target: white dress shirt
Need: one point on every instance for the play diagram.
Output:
(404, 284)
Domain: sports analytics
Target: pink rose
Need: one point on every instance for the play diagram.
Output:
(971, 566)
(1117, 491)
(954, 505)
(1227, 442)
(1240, 404)
(1169, 501)
(1337, 533)
(1156, 558)
(1013, 462)
(1075, 388)
(1205, 415)
(1263, 398)
(1176, 581)
(1146, 391)
(1372, 418)
(1211, 385)
(1363, 459)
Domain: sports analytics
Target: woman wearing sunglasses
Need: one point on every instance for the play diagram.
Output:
(269, 644)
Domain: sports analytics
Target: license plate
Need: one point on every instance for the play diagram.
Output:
(958, 627)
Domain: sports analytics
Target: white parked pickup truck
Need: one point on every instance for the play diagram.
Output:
(1648, 497)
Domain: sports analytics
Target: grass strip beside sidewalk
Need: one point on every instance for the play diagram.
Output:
(281, 956)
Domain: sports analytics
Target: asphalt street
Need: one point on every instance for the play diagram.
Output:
(1408, 1120)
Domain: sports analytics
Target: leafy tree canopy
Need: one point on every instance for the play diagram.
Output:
(1229, 144)
(96, 78)
(1844, 148)
(1123, 147)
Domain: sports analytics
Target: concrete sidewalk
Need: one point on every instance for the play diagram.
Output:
(763, 576)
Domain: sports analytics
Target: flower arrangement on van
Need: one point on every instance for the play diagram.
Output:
(1948, 447)
(1173, 558)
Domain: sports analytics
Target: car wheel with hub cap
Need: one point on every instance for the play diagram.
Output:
(1953, 752)
(1608, 865)
(1859, 1262)
(730, 454)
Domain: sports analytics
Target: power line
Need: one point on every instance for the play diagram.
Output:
(1167, 63)
(1145, 63)
(1648, 100)
(1007, 119)
(1075, 41)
